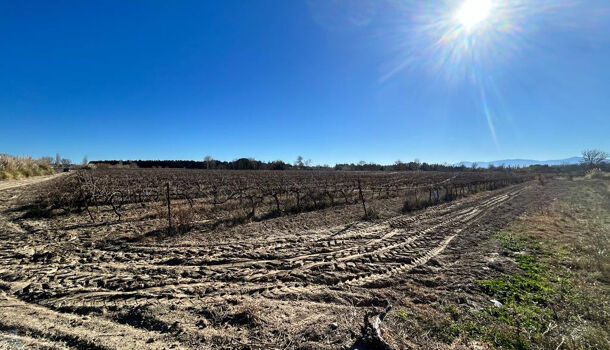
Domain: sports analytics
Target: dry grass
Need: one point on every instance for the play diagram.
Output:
(12, 168)
(555, 294)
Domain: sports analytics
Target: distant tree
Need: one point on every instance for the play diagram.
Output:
(474, 165)
(208, 161)
(243, 164)
(399, 165)
(362, 163)
(85, 161)
(593, 157)
(47, 160)
(299, 162)
(278, 165)
(65, 162)
(57, 159)
(308, 163)
(413, 165)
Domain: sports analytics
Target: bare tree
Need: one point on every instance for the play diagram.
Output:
(85, 161)
(299, 162)
(593, 157)
(57, 159)
(208, 161)
(66, 162)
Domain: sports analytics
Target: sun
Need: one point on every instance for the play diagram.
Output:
(473, 12)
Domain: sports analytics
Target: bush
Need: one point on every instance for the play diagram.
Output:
(12, 167)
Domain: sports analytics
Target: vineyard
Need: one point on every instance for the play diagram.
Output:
(187, 199)
(206, 259)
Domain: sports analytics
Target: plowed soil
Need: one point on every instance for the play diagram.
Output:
(303, 281)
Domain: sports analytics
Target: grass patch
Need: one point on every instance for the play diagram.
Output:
(553, 299)
(525, 298)
(557, 294)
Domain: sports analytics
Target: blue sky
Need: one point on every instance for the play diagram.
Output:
(333, 81)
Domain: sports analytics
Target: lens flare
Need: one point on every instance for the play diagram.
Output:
(469, 43)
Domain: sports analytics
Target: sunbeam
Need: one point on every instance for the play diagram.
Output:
(465, 42)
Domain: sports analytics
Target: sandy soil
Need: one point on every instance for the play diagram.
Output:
(298, 282)
(5, 185)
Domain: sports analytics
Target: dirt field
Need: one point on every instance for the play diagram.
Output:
(298, 282)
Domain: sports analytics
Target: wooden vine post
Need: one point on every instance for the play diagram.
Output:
(169, 210)
(361, 196)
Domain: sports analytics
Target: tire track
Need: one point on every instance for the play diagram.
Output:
(311, 266)
(257, 279)
(61, 329)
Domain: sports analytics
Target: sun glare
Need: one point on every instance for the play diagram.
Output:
(473, 12)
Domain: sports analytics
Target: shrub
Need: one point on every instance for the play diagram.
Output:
(12, 167)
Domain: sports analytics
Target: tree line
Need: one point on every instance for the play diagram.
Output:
(591, 158)
(299, 164)
(253, 164)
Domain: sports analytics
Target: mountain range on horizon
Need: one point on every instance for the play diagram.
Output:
(522, 162)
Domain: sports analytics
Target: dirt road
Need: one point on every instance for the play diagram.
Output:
(4, 185)
(295, 289)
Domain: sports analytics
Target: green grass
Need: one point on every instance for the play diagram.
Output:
(540, 306)
(526, 296)
(403, 315)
